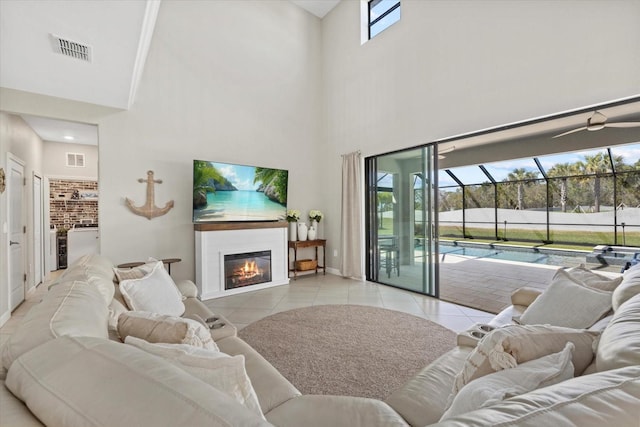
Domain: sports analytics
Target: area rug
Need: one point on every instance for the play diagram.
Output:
(349, 350)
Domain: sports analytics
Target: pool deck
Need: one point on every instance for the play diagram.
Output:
(486, 284)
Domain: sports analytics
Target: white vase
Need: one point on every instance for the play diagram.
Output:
(302, 231)
(313, 233)
(293, 232)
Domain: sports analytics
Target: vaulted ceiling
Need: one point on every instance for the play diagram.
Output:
(116, 35)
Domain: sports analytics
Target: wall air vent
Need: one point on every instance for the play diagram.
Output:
(70, 48)
(75, 160)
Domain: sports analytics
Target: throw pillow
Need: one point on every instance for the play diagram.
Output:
(135, 272)
(629, 287)
(567, 303)
(225, 373)
(588, 278)
(156, 292)
(501, 385)
(160, 328)
(510, 345)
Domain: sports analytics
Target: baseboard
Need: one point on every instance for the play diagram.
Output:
(333, 271)
(4, 318)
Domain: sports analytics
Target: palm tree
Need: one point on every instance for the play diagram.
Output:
(521, 175)
(203, 174)
(599, 166)
(562, 171)
(273, 183)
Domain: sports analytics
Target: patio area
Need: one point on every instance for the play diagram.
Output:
(483, 283)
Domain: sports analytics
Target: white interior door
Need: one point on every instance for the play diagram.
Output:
(38, 241)
(15, 181)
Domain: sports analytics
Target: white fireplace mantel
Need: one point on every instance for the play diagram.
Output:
(213, 243)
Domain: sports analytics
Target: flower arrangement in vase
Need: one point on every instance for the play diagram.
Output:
(293, 215)
(315, 216)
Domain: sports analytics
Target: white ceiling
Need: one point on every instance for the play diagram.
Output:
(118, 32)
(57, 130)
(318, 7)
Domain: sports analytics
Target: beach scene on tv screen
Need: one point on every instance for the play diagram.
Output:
(229, 192)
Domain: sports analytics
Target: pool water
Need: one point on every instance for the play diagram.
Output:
(529, 256)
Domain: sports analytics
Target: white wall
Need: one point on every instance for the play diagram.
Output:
(55, 164)
(18, 138)
(450, 67)
(225, 81)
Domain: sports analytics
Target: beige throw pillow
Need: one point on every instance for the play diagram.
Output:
(160, 328)
(593, 280)
(629, 287)
(511, 345)
(567, 303)
(156, 292)
(135, 272)
(219, 370)
(501, 385)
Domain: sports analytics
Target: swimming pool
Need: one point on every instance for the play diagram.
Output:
(519, 254)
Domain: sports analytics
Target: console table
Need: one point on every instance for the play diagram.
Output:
(295, 245)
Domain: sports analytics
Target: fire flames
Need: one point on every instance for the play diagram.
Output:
(248, 271)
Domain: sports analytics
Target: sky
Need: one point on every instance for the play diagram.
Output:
(500, 170)
(240, 176)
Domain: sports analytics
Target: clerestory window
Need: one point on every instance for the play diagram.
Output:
(382, 14)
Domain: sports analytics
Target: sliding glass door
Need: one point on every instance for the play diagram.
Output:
(401, 219)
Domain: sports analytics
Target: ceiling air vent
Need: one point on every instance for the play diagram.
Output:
(70, 48)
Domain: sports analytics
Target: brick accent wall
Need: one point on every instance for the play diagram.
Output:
(66, 212)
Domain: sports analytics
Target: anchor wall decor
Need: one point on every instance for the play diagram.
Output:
(149, 210)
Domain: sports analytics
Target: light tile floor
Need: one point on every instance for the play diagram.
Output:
(310, 290)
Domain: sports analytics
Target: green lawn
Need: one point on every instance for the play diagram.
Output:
(583, 240)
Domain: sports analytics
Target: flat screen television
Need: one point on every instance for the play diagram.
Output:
(226, 192)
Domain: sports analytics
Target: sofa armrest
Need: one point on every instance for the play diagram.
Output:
(525, 296)
(187, 288)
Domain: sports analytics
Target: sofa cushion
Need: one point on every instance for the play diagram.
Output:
(74, 381)
(514, 344)
(334, 411)
(629, 287)
(95, 275)
(156, 292)
(71, 308)
(423, 399)
(157, 328)
(594, 280)
(609, 398)
(619, 343)
(568, 303)
(219, 370)
(271, 387)
(100, 263)
(502, 385)
(14, 412)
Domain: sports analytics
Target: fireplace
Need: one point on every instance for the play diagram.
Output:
(245, 269)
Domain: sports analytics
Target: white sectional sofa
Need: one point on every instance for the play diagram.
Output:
(65, 365)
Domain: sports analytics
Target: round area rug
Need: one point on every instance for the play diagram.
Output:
(349, 350)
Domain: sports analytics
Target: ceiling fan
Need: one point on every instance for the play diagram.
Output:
(598, 121)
